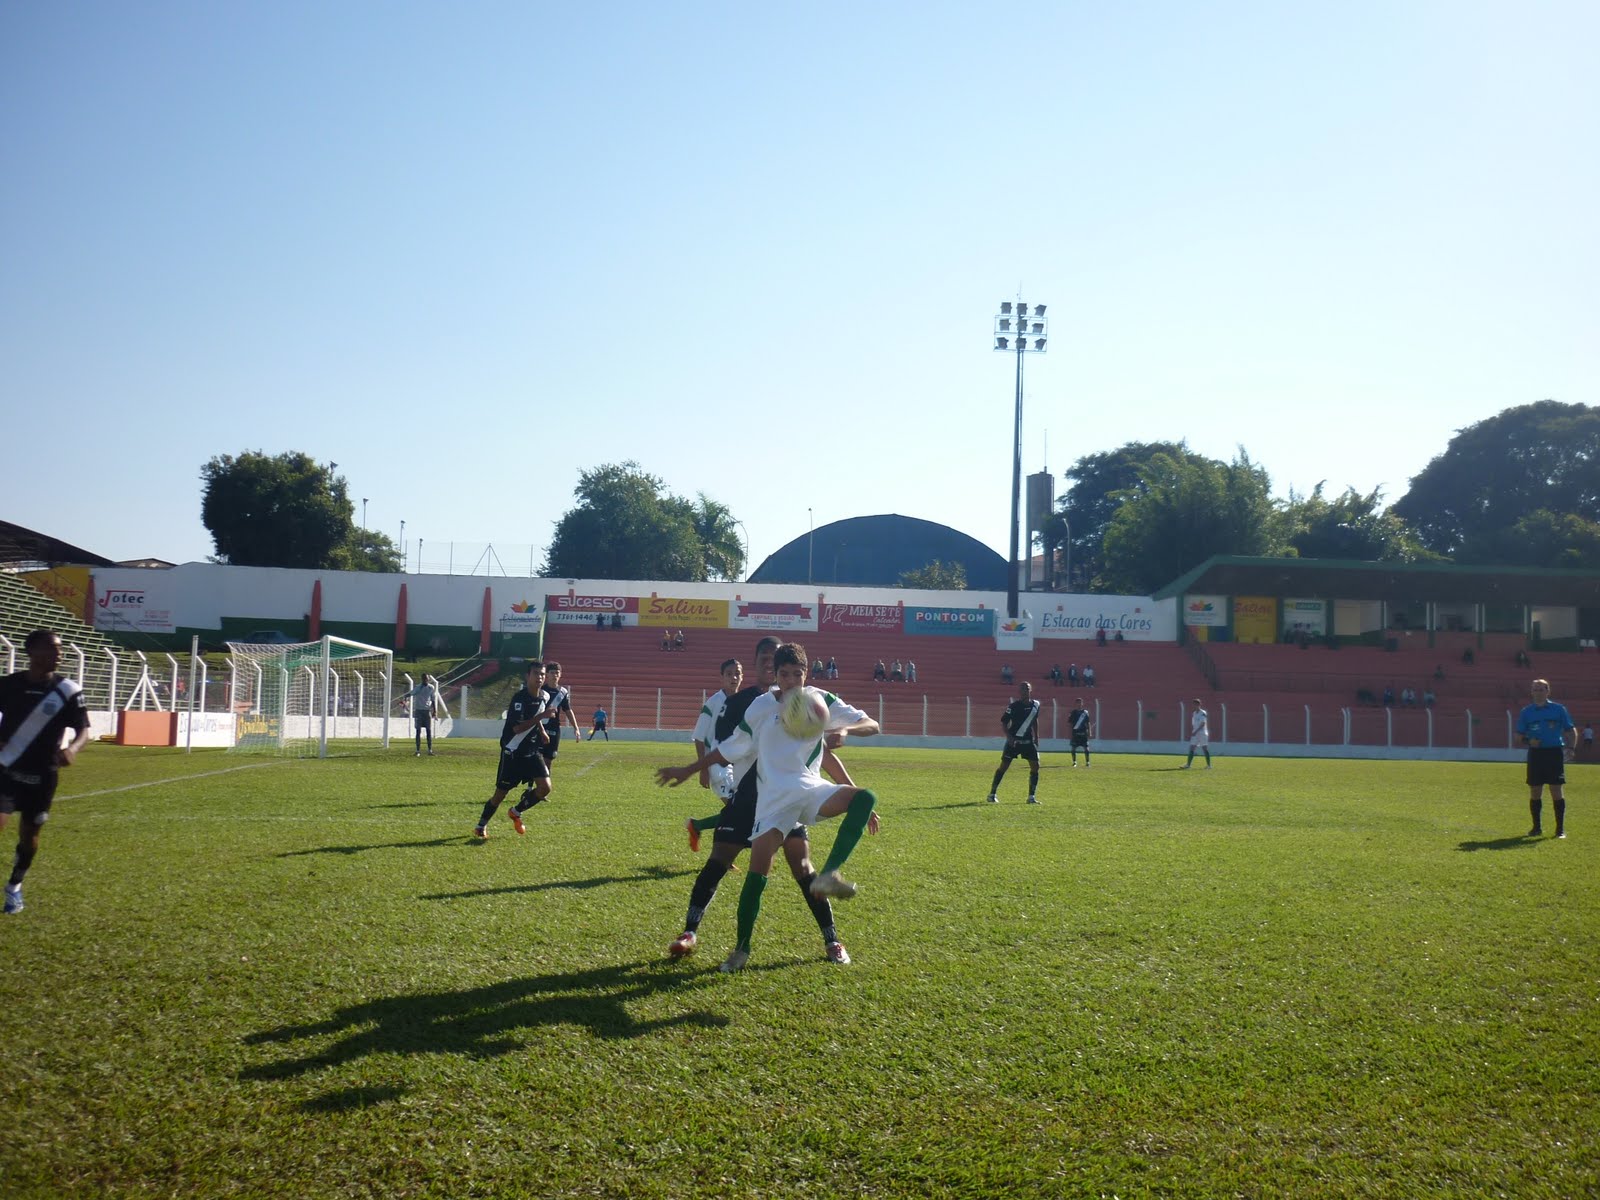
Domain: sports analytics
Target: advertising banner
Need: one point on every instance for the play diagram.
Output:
(885, 618)
(67, 586)
(763, 614)
(1015, 633)
(519, 616)
(950, 622)
(571, 609)
(1305, 616)
(1255, 619)
(139, 609)
(1205, 611)
(668, 612)
(210, 729)
(1136, 618)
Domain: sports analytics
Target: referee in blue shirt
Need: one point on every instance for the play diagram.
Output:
(1544, 726)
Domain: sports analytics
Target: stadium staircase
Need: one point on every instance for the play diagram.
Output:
(23, 608)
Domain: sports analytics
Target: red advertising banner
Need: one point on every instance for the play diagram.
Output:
(572, 609)
(888, 618)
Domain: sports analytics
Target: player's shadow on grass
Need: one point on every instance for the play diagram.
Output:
(442, 841)
(479, 1022)
(642, 875)
(1505, 843)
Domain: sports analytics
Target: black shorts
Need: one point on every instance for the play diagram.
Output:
(517, 769)
(1024, 750)
(1547, 764)
(28, 793)
(1080, 740)
(551, 748)
(424, 720)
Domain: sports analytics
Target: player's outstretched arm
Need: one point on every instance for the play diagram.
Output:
(673, 776)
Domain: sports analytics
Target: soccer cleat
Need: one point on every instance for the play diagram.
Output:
(516, 821)
(479, 832)
(735, 962)
(14, 900)
(1534, 832)
(419, 753)
(1560, 832)
(832, 885)
(682, 946)
(993, 799)
(694, 836)
(836, 953)
(1074, 762)
(1033, 799)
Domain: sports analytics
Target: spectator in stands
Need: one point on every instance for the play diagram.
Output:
(1088, 675)
(1428, 697)
(616, 623)
(816, 672)
(1588, 738)
(1523, 660)
(677, 642)
(666, 641)
(880, 673)
(1006, 675)
(1100, 637)
(1408, 697)
(1438, 671)
(1467, 656)
(1119, 637)
(897, 673)
(599, 620)
(911, 671)
(1388, 695)
(1072, 674)
(1055, 674)
(833, 668)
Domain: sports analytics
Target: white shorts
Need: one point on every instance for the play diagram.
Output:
(1199, 739)
(721, 780)
(790, 802)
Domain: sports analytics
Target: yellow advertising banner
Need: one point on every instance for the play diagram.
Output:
(665, 612)
(67, 586)
(1255, 619)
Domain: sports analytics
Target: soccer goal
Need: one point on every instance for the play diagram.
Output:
(294, 699)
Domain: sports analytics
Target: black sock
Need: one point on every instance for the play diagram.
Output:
(1536, 807)
(489, 810)
(20, 865)
(994, 784)
(704, 891)
(1033, 782)
(820, 908)
(1561, 812)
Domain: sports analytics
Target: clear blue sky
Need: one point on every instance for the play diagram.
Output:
(465, 250)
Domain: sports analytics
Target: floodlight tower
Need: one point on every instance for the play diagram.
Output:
(1016, 330)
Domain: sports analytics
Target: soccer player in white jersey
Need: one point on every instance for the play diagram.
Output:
(1199, 734)
(717, 777)
(790, 790)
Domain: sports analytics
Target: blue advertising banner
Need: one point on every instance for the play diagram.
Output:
(950, 622)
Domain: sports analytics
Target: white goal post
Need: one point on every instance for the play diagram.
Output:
(294, 698)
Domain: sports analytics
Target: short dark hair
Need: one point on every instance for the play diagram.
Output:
(552, 666)
(766, 645)
(1025, 686)
(790, 654)
(37, 637)
(533, 664)
(732, 662)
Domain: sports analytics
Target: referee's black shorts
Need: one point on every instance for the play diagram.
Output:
(1547, 764)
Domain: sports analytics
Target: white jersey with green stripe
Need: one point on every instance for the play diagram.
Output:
(781, 757)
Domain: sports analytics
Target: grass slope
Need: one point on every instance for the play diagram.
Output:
(1278, 977)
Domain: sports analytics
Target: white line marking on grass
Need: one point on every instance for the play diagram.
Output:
(587, 767)
(175, 779)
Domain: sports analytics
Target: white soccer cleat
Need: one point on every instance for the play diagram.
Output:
(735, 962)
(832, 885)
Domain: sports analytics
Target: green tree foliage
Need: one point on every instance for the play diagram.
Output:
(369, 550)
(626, 526)
(283, 510)
(938, 576)
(717, 529)
(1547, 539)
(1350, 526)
(1468, 501)
(1101, 484)
(1184, 511)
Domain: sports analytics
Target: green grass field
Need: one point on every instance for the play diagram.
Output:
(302, 979)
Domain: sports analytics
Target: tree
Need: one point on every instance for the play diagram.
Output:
(1547, 539)
(281, 511)
(937, 576)
(625, 526)
(1185, 511)
(715, 526)
(1495, 473)
(369, 550)
(1350, 527)
(1102, 482)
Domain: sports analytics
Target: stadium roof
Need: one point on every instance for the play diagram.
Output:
(19, 547)
(1349, 580)
(874, 552)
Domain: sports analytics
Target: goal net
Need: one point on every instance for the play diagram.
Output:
(294, 699)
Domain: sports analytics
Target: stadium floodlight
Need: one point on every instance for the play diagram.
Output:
(1020, 346)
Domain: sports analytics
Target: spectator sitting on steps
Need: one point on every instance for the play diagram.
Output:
(880, 673)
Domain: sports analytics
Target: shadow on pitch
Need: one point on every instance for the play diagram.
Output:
(483, 1022)
(444, 841)
(1506, 843)
(642, 875)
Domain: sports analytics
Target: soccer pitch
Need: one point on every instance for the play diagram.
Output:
(246, 977)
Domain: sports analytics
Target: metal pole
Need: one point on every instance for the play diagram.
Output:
(1016, 486)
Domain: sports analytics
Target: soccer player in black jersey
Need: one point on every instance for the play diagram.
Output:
(737, 819)
(1080, 728)
(557, 700)
(36, 707)
(1021, 723)
(521, 760)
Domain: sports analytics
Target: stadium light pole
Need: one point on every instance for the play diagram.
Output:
(363, 514)
(811, 543)
(1017, 331)
(746, 533)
